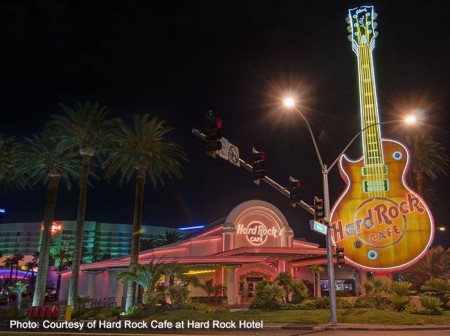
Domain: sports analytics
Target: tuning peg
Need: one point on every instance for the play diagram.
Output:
(349, 29)
(347, 19)
(374, 16)
(375, 34)
(350, 37)
(375, 25)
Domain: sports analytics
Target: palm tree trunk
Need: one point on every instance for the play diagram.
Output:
(79, 233)
(58, 286)
(418, 176)
(136, 233)
(11, 272)
(19, 301)
(317, 285)
(49, 213)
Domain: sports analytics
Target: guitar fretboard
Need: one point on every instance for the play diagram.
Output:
(373, 151)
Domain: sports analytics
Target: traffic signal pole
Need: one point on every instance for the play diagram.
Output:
(330, 265)
(266, 179)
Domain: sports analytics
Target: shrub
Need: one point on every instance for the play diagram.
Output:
(268, 296)
(343, 303)
(178, 295)
(399, 302)
(430, 305)
(378, 288)
(299, 291)
(221, 310)
(365, 302)
(201, 307)
(106, 313)
(11, 313)
(439, 288)
(400, 288)
(307, 305)
(141, 310)
(323, 302)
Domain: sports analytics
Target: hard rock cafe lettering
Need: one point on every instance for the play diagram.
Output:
(256, 233)
(381, 219)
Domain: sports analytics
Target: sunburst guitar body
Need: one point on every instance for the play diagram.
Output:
(381, 223)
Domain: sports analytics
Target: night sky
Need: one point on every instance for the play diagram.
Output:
(177, 59)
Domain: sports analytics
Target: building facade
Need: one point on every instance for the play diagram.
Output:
(253, 243)
(100, 240)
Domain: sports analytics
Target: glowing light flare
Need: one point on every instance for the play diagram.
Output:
(442, 228)
(411, 119)
(289, 102)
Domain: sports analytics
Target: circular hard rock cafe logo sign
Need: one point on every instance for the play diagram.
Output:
(256, 233)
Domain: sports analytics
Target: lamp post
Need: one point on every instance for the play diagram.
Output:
(290, 103)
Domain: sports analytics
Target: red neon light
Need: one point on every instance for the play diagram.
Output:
(55, 228)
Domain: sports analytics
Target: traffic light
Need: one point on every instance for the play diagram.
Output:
(340, 258)
(258, 165)
(294, 190)
(213, 132)
(319, 209)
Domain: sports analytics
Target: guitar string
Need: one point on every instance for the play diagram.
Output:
(380, 162)
(367, 117)
(372, 121)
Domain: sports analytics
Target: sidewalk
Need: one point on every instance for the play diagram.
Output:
(346, 326)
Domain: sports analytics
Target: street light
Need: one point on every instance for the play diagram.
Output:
(290, 103)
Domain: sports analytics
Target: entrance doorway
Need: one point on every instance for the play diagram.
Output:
(247, 285)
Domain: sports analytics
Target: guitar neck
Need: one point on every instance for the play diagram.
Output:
(371, 135)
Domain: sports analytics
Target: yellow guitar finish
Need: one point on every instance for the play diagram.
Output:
(381, 230)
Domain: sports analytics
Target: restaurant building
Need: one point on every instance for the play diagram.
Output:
(253, 243)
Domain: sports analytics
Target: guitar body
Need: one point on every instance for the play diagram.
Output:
(379, 221)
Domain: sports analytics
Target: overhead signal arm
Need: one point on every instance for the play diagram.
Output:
(247, 166)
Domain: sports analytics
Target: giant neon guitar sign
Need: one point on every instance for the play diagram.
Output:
(380, 222)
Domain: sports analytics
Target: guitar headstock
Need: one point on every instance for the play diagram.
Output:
(362, 26)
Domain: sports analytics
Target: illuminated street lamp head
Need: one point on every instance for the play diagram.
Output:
(411, 119)
(289, 102)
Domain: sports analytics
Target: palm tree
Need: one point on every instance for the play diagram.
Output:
(284, 279)
(9, 262)
(143, 275)
(144, 152)
(18, 257)
(9, 178)
(45, 159)
(61, 257)
(30, 268)
(429, 161)
(435, 264)
(316, 270)
(169, 237)
(87, 130)
(174, 270)
(18, 288)
(147, 244)
(208, 286)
